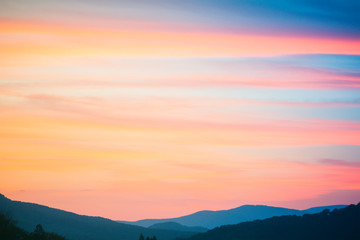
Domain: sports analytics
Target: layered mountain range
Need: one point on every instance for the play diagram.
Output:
(212, 219)
(79, 227)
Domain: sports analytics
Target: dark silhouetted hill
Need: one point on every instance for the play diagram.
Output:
(77, 227)
(212, 219)
(178, 227)
(339, 224)
(320, 209)
(9, 231)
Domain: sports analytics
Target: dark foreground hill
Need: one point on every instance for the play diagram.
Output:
(77, 227)
(9, 231)
(339, 224)
(212, 219)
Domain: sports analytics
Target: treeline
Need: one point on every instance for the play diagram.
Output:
(147, 238)
(338, 224)
(9, 231)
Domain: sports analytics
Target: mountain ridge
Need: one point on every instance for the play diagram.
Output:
(74, 226)
(211, 219)
(77, 227)
(177, 227)
(337, 224)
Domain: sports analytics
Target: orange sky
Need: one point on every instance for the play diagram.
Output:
(133, 116)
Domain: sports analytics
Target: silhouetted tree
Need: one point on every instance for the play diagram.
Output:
(39, 230)
(141, 237)
(39, 233)
(9, 231)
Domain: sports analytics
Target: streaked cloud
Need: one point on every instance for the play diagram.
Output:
(162, 109)
(337, 162)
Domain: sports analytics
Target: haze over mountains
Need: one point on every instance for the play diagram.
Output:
(177, 227)
(339, 224)
(78, 227)
(212, 219)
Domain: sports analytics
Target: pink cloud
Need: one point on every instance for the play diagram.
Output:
(336, 162)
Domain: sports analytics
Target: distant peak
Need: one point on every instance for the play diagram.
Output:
(251, 206)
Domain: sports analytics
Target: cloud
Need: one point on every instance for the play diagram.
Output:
(336, 162)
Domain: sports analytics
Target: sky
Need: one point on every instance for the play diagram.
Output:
(156, 109)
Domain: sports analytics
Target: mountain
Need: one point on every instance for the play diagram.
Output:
(212, 219)
(320, 209)
(338, 224)
(9, 231)
(177, 227)
(77, 227)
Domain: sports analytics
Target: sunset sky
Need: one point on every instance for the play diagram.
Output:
(153, 108)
